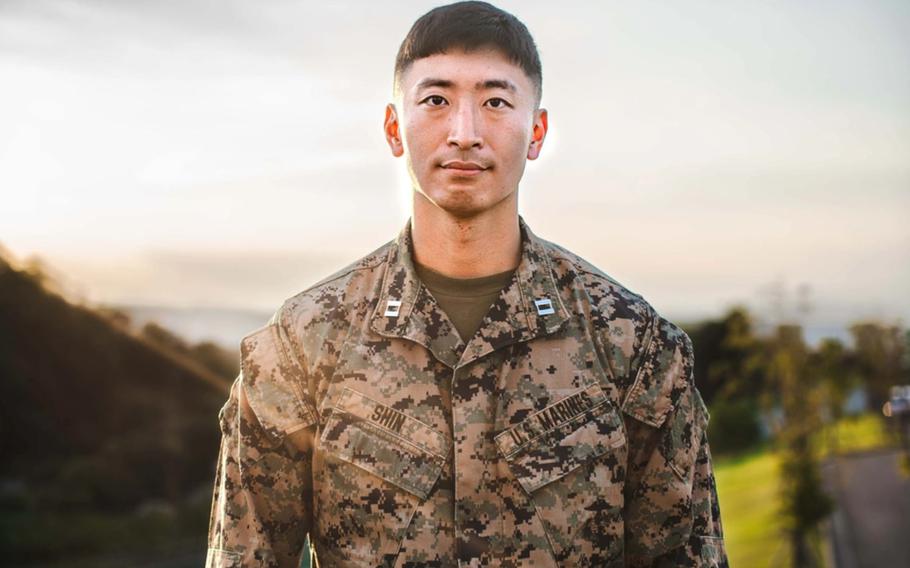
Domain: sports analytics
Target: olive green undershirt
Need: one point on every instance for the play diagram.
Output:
(464, 300)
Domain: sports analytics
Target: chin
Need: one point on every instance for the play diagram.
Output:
(465, 200)
(461, 209)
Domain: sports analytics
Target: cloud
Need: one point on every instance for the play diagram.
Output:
(691, 151)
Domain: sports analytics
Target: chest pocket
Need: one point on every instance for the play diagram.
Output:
(569, 458)
(378, 465)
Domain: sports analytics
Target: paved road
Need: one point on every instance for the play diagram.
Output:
(871, 527)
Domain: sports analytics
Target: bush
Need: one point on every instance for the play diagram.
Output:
(734, 426)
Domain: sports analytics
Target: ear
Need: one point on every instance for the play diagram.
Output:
(392, 132)
(538, 134)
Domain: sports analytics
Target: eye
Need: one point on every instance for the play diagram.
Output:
(434, 100)
(497, 102)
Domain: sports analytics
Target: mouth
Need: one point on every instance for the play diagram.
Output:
(460, 168)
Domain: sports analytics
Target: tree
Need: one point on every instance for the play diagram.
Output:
(880, 357)
(728, 357)
(804, 500)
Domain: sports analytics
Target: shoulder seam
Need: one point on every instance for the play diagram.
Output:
(284, 310)
(642, 353)
(568, 256)
(293, 359)
(334, 277)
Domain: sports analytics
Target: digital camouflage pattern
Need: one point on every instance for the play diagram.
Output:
(566, 432)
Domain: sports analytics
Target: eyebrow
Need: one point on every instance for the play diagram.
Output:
(431, 82)
(480, 85)
(496, 84)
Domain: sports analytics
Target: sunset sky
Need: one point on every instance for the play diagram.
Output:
(229, 154)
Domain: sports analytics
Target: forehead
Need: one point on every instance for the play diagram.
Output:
(466, 69)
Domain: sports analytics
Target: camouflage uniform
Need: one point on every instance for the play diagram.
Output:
(566, 432)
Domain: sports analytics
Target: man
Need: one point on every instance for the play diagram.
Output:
(468, 394)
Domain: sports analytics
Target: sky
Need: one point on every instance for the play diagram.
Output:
(229, 154)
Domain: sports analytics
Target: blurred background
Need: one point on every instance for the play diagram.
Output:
(171, 171)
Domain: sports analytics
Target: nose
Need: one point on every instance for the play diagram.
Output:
(463, 129)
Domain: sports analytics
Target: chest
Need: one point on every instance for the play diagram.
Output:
(521, 447)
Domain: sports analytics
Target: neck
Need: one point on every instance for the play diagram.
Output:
(466, 247)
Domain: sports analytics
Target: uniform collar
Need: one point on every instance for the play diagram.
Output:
(514, 316)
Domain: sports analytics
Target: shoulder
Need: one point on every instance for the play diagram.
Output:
(612, 298)
(655, 355)
(339, 292)
(277, 358)
(332, 300)
(663, 375)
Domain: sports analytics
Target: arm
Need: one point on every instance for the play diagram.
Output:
(705, 546)
(672, 513)
(261, 509)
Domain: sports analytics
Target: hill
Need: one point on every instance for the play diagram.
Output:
(96, 417)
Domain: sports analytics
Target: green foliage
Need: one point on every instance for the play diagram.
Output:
(753, 494)
(214, 358)
(880, 357)
(804, 501)
(164, 337)
(92, 417)
(103, 539)
(728, 357)
(734, 426)
(101, 420)
(220, 361)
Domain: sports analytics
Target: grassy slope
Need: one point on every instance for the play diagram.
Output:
(749, 499)
(854, 434)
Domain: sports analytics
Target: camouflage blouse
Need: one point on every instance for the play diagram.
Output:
(566, 432)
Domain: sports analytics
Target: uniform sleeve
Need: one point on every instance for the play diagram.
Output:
(261, 506)
(672, 515)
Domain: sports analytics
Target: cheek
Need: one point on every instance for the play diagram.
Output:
(416, 139)
(514, 139)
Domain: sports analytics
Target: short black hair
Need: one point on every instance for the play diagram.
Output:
(469, 26)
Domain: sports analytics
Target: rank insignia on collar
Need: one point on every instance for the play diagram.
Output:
(392, 308)
(544, 307)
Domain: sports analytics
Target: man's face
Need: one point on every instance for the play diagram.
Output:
(466, 123)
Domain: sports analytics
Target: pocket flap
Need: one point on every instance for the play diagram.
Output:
(386, 442)
(553, 442)
(664, 372)
(683, 432)
(273, 383)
